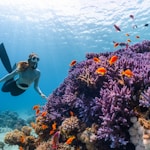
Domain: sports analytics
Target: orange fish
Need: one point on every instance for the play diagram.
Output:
(71, 113)
(73, 63)
(97, 60)
(129, 40)
(37, 111)
(33, 125)
(127, 34)
(35, 107)
(69, 141)
(137, 37)
(54, 127)
(127, 73)
(22, 139)
(20, 148)
(44, 126)
(116, 44)
(52, 132)
(101, 71)
(44, 113)
(113, 59)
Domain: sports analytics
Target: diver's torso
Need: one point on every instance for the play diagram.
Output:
(28, 76)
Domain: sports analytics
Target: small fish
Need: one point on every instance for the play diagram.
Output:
(44, 126)
(37, 111)
(131, 16)
(69, 141)
(33, 125)
(119, 43)
(128, 40)
(134, 26)
(44, 113)
(51, 132)
(73, 63)
(113, 59)
(117, 27)
(20, 148)
(22, 139)
(146, 25)
(127, 73)
(101, 71)
(35, 107)
(71, 113)
(116, 44)
(97, 60)
(54, 127)
(137, 37)
(55, 140)
(127, 34)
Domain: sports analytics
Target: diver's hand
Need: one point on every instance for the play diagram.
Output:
(43, 96)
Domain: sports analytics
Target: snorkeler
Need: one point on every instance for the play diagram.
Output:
(27, 74)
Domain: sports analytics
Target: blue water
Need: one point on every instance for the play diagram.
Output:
(60, 31)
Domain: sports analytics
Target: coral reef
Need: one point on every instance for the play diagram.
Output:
(106, 99)
(101, 105)
(11, 120)
(21, 138)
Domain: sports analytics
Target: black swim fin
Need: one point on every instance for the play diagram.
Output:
(4, 58)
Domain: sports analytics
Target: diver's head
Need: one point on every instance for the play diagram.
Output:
(33, 60)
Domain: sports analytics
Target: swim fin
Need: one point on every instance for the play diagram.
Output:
(4, 58)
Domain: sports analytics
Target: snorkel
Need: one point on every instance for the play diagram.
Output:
(33, 59)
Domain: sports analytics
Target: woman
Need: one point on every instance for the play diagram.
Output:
(27, 73)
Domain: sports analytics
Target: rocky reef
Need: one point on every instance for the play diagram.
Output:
(101, 104)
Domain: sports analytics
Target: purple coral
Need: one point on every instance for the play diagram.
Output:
(107, 100)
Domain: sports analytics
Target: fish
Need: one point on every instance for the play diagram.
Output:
(73, 63)
(131, 16)
(35, 107)
(97, 60)
(33, 125)
(113, 59)
(116, 44)
(101, 70)
(37, 111)
(71, 113)
(128, 40)
(70, 139)
(134, 26)
(44, 113)
(54, 127)
(44, 126)
(120, 44)
(22, 139)
(127, 34)
(146, 25)
(117, 27)
(127, 73)
(55, 140)
(137, 37)
(20, 148)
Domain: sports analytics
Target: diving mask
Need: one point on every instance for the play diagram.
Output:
(33, 58)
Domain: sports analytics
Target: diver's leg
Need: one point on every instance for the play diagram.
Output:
(10, 86)
(7, 86)
(4, 58)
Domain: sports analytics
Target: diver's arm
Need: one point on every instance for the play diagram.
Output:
(37, 89)
(9, 76)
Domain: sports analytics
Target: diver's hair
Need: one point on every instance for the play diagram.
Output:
(22, 65)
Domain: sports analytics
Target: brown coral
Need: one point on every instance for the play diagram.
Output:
(69, 125)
